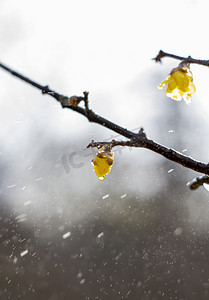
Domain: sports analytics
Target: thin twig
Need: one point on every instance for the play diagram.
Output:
(188, 59)
(199, 181)
(112, 144)
(135, 139)
(171, 154)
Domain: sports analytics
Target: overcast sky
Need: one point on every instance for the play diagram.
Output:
(100, 46)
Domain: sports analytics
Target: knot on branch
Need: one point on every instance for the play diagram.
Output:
(139, 139)
(185, 63)
(74, 101)
(142, 133)
(45, 89)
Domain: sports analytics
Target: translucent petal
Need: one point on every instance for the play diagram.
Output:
(102, 163)
(179, 84)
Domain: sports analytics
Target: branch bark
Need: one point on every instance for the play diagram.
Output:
(135, 139)
(188, 59)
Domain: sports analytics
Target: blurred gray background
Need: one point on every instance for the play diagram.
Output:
(140, 233)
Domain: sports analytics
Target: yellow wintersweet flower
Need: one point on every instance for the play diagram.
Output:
(179, 84)
(103, 161)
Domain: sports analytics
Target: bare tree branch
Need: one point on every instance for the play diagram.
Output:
(168, 153)
(135, 139)
(112, 144)
(188, 59)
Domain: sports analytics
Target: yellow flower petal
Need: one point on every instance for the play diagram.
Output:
(179, 84)
(160, 86)
(103, 161)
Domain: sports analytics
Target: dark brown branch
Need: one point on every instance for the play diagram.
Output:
(199, 181)
(91, 116)
(188, 59)
(112, 144)
(168, 153)
(177, 157)
(135, 139)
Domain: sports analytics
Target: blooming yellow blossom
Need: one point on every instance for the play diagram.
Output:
(103, 161)
(179, 84)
